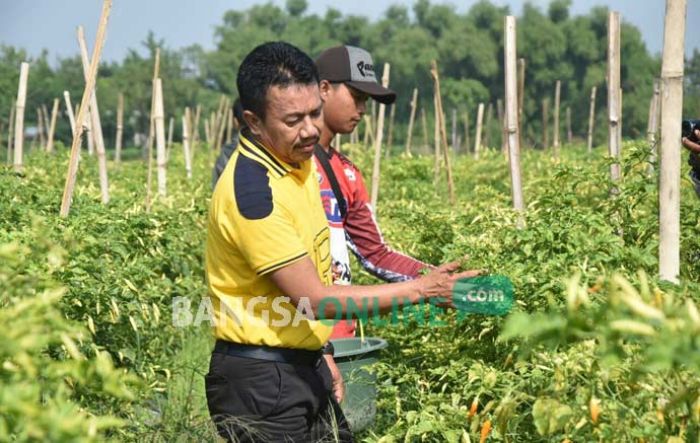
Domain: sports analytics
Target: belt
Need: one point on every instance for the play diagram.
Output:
(268, 353)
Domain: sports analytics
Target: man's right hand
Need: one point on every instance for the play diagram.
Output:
(440, 281)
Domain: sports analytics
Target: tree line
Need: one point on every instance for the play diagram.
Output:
(468, 47)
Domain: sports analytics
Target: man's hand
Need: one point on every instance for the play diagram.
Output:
(691, 145)
(440, 281)
(338, 385)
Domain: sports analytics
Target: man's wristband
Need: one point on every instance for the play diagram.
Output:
(328, 348)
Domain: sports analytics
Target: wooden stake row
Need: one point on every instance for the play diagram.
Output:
(120, 129)
(591, 119)
(19, 115)
(443, 131)
(378, 142)
(557, 96)
(52, 126)
(96, 126)
(479, 120)
(670, 165)
(87, 93)
(613, 76)
(10, 134)
(411, 119)
(511, 117)
(151, 131)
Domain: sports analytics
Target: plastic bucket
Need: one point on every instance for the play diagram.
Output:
(353, 356)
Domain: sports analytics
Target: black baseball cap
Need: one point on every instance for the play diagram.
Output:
(354, 67)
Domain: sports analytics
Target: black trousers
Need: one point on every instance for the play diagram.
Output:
(264, 401)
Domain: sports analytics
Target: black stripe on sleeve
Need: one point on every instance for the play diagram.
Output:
(280, 264)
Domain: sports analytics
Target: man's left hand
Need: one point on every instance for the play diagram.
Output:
(338, 385)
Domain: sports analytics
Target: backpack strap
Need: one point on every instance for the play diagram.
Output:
(323, 157)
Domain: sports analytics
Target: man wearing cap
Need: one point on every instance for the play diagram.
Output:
(268, 265)
(347, 80)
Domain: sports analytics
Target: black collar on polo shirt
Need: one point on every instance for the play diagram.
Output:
(253, 149)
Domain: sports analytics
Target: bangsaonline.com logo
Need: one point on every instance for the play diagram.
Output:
(485, 295)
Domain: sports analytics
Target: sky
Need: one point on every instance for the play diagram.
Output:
(50, 24)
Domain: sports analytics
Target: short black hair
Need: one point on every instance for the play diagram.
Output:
(272, 64)
(238, 112)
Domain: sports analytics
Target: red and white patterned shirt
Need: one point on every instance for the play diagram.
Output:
(358, 231)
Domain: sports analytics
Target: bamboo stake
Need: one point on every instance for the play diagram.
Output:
(545, 123)
(337, 141)
(19, 115)
(521, 96)
(487, 125)
(557, 97)
(207, 131)
(654, 123)
(374, 114)
(378, 141)
(95, 125)
(10, 133)
(186, 142)
(591, 119)
(194, 129)
(151, 130)
(212, 129)
(511, 117)
(368, 124)
(479, 120)
(390, 138)
(214, 117)
(171, 127)
(32, 144)
(613, 77)
(120, 129)
(40, 129)
(411, 119)
(47, 122)
(222, 127)
(443, 131)
(88, 131)
(455, 143)
(69, 110)
(670, 165)
(436, 136)
(87, 93)
(424, 123)
(52, 126)
(619, 133)
(569, 134)
(220, 120)
(159, 120)
(229, 128)
(502, 125)
(467, 141)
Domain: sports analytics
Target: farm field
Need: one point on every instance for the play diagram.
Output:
(596, 348)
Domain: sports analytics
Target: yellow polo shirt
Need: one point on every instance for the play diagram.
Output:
(264, 214)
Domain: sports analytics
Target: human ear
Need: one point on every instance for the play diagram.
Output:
(325, 88)
(253, 121)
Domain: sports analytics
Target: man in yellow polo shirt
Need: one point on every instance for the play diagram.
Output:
(268, 265)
